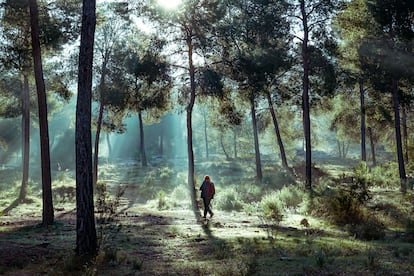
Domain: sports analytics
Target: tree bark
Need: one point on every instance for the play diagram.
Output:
(25, 138)
(205, 133)
(259, 175)
(305, 97)
(372, 144)
(86, 241)
(223, 147)
(144, 162)
(48, 215)
(277, 132)
(397, 121)
(96, 146)
(363, 125)
(405, 133)
(190, 106)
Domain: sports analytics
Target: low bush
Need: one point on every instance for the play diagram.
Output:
(344, 209)
(272, 209)
(228, 199)
(370, 228)
(277, 180)
(291, 196)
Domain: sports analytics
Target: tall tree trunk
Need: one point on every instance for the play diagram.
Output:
(25, 146)
(277, 132)
(372, 145)
(259, 175)
(363, 127)
(144, 162)
(86, 241)
(99, 122)
(338, 143)
(48, 215)
(96, 146)
(223, 147)
(400, 157)
(205, 133)
(305, 97)
(405, 133)
(25, 138)
(190, 106)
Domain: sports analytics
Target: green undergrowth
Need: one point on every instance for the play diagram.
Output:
(364, 227)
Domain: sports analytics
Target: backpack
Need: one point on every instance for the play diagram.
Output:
(210, 191)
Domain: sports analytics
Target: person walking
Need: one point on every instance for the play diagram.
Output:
(207, 193)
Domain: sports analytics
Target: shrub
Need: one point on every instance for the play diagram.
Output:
(278, 179)
(344, 209)
(249, 193)
(272, 208)
(107, 209)
(180, 194)
(409, 229)
(291, 196)
(228, 200)
(162, 201)
(369, 229)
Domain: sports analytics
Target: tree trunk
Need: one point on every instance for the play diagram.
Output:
(190, 106)
(86, 241)
(99, 122)
(25, 138)
(405, 133)
(48, 215)
(144, 162)
(305, 97)
(338, 143)
(400, 157)
(206, 133)
(363, 127)
(277, 132)
(372, 144)
(96, 146)
(223, 147)
(259, 175)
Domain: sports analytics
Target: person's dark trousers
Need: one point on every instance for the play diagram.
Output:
(206, 201)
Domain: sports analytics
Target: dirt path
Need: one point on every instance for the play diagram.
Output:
(142, 241)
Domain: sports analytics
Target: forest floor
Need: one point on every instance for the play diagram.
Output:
(145, 241)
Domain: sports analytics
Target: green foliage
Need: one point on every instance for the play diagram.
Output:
(385, 175)
(371, 260)
(272, 208)
(368, 229)
(409, 230)
(229, 199)
(180, 194)
(291, 196)
(107, 209)
(221, 250)
(344, 208)
(162, 201)
(249, 193)
(137, 264)
(278, 179)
